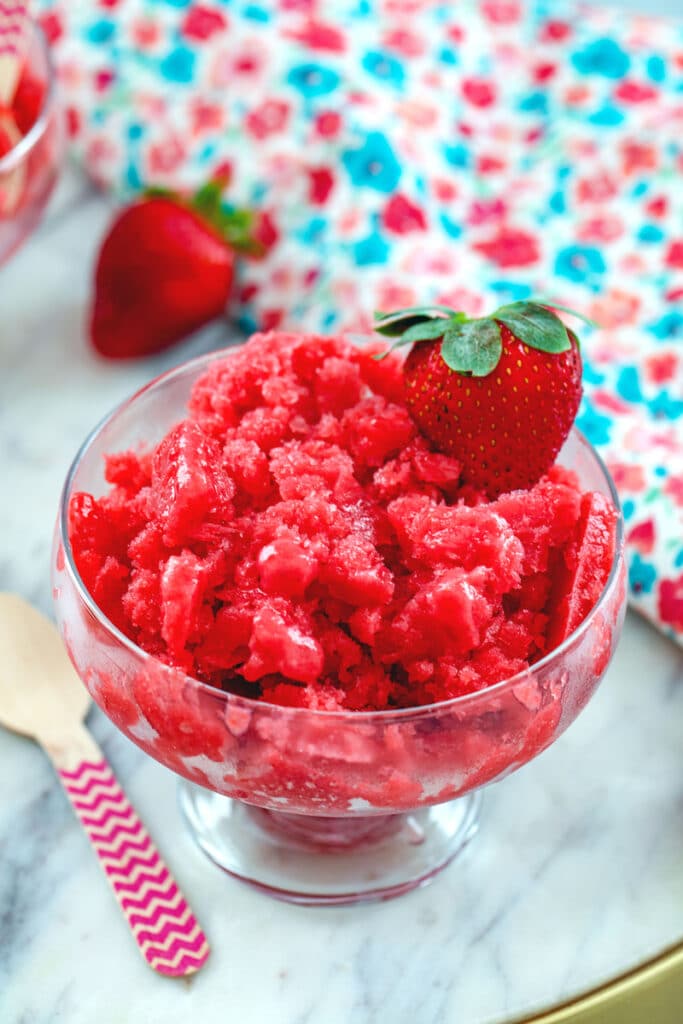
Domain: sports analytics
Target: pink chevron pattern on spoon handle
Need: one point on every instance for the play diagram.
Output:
(14, 19)
(164, 927)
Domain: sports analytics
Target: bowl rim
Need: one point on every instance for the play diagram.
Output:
(10, 161)
(255, 704)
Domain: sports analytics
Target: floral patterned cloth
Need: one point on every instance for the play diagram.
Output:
(407, 151)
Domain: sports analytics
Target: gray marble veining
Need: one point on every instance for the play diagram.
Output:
(577, 871)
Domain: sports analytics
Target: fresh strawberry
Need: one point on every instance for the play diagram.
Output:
(499, 393)
(165, 269)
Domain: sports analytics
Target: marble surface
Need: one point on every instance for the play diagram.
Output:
(576, 873)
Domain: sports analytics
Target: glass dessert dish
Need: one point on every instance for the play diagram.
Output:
(312, 806)
(29, 171)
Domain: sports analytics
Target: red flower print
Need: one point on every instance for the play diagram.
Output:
(420, 114)
(201, 22)
(206, 117)
(671, 603)
(327, 123)
(321, 182)
(271, 319)
(611, 403)
(674, 254)
(480, 92)
(642, 537)
(596, 189)
(555, 31)
(455, 33)
(247, 293)
(318, 36)
(469, 302)
(674, 487)
(544, 72)
(267, 119)
(100, 155)
(265, 231)
(445, 190)
(51, 25)
(502, 12)
(510, 247)
(404, 42)
(657, 207)
(661, 367)
(103, 79)
(615, 308)
(145, 33)
(166, 156)
(600, 229)
(401, 215)
(489, 164)
(483, 210)
(638, 156)
(628, 477)
(635, 92)
(394, 296)
(73, 122)
(576, 95)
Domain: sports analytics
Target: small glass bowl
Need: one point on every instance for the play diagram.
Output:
(29, 171)
(311, 806)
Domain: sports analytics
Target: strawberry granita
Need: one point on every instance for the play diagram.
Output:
(295, 539)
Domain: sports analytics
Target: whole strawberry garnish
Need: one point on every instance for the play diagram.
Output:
(165, 269)
(499, 393)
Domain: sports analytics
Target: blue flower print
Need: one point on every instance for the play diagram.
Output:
(606, 116)
(372, 249)
(590, 374)
(178, 65)
(101, 31)
(669, 326)
(656, 68)
(255, 13)
(650, 233)
(457, 155)
(452, 229)
(628, 385)
(593, 424)
(579, 263)
(313, 79)
(602, 57)
(641, 575)
(374, 164)
(384, 66)
(664, 407)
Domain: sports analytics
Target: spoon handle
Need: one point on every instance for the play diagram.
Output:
(162, 923)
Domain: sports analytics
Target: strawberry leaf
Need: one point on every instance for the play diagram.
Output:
(535, 325)
(473, 347)
(397, 328)
(207, 200)
(572, 312)
(425, 330)
(393, 325)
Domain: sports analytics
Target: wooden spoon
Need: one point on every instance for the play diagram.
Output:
(42, 697)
